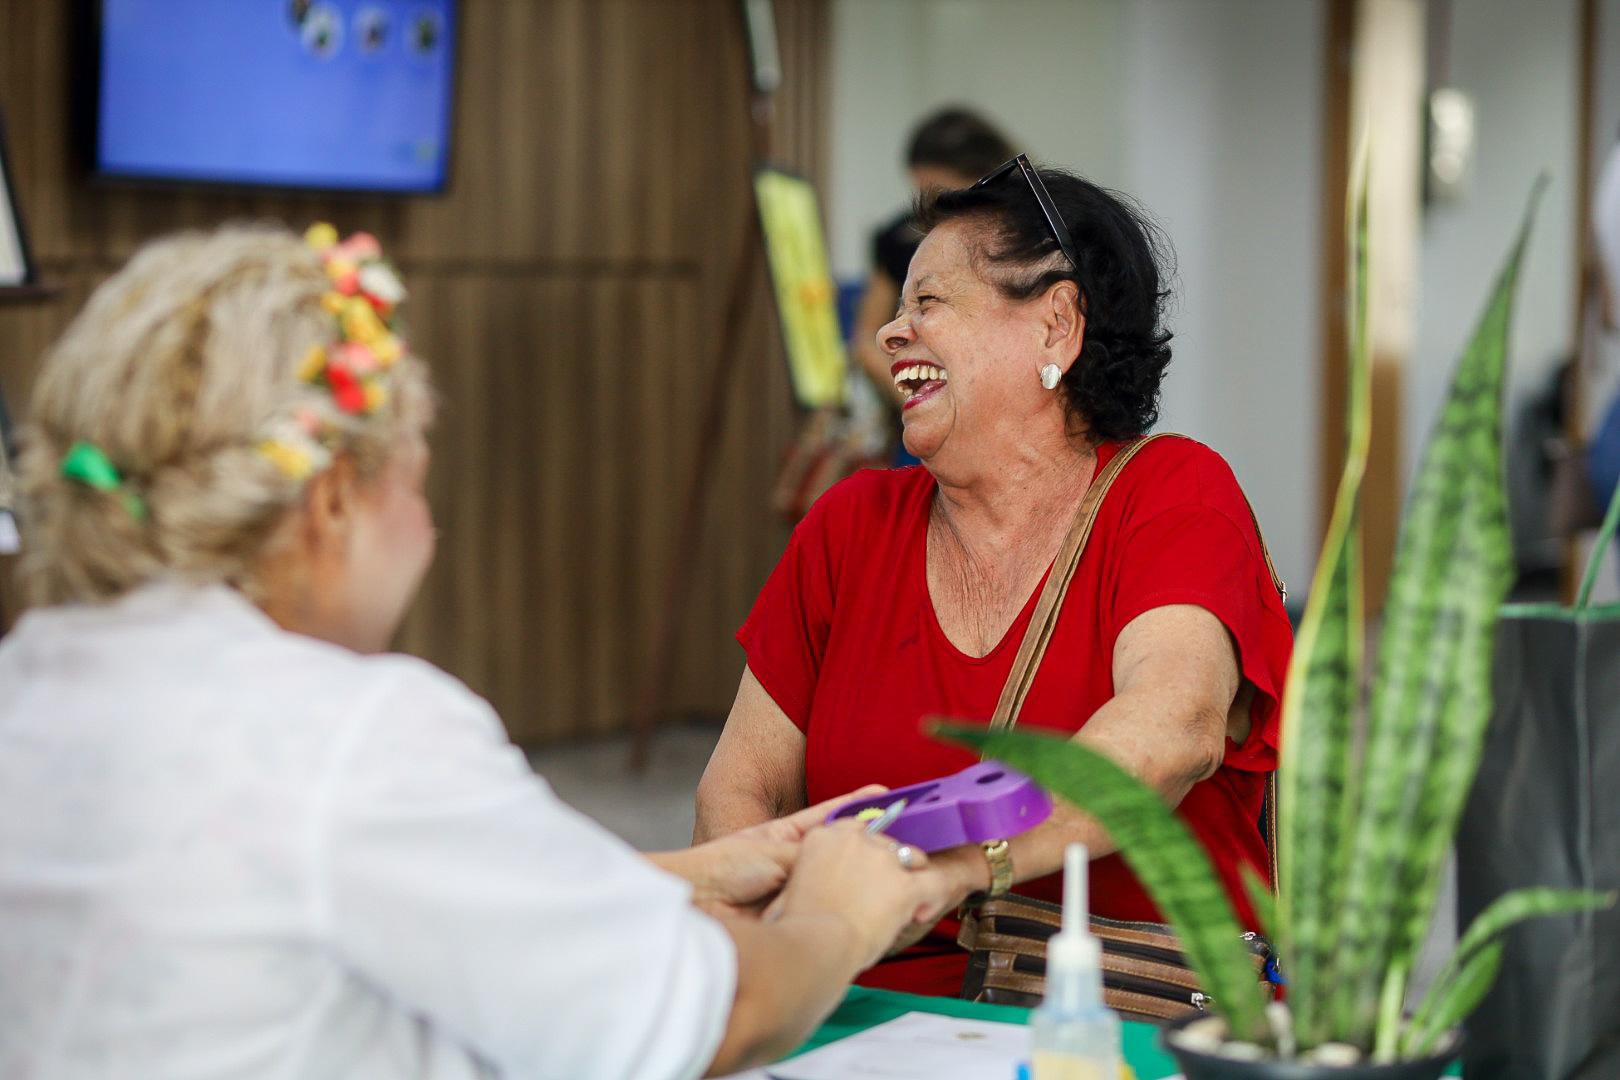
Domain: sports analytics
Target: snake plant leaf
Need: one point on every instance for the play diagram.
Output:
(1453, 995)
(1314, 783)
(1431, 696)
(1463, 992)
(1160, 849)
(1316, 778)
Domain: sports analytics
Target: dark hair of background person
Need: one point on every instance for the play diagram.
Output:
(957, 139)
(1114, 385)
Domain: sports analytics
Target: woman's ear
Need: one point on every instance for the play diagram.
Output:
(304, 569)
(328, 515)
(1065, 323)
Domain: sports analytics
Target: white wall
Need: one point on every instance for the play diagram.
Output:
(1208, 113)
(1223, 108)
(1517, 60)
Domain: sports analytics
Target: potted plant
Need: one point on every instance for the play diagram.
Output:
(1371, 784)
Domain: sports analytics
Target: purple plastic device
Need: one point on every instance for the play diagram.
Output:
(983, 802)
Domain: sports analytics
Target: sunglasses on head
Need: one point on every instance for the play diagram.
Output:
(1054, 220)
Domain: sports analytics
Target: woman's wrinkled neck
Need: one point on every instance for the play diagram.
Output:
(1009, 493)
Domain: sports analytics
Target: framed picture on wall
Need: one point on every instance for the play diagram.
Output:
(797, 253)
(15, 268)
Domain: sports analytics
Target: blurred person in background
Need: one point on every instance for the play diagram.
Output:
(1603, 451)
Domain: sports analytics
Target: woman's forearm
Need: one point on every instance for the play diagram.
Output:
(774, 1011)
(1118, 729)
(1177, 683)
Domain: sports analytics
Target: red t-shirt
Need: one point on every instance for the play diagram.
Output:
(844, 639)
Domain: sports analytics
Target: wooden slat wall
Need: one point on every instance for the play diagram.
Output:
(569, 293)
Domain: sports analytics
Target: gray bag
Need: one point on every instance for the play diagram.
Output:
(1545, 810)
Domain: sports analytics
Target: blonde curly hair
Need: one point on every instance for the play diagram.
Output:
(176, 369)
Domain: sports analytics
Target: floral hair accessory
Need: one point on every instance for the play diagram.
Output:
(353, 366)
(90, 466)
(294, 446)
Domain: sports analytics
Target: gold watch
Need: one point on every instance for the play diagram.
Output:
(999, 856)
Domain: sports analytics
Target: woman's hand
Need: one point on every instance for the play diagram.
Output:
(744, 871)
(793, 827)
(845, 873)
(963, 871)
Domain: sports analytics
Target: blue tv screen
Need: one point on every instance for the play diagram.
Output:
(326, 94)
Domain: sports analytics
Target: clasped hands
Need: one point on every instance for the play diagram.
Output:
(796, 863)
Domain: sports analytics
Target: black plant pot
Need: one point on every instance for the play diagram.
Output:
(1196, 1065)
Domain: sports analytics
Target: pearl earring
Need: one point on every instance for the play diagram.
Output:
(1050, 374)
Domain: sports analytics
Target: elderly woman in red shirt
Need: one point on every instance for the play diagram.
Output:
(1029, 349)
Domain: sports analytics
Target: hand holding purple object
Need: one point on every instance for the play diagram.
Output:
(984, 802)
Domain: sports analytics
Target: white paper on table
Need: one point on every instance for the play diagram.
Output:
(916, 1046)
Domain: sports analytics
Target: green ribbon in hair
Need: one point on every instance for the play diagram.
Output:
(86, 463)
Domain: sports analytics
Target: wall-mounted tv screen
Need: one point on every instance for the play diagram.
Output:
(326, 94)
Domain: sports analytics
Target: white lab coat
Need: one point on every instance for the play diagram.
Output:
(227, 850)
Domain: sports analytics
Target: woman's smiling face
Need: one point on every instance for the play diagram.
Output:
(962, 356)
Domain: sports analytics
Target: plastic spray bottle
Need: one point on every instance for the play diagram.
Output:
(1073, 1035)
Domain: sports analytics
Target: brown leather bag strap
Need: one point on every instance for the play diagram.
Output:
(1269, 809)
(1044, 620)
(1265, 552)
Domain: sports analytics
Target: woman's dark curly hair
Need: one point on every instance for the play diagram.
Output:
(1114, 385)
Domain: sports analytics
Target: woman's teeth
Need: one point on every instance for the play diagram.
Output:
(912, 379)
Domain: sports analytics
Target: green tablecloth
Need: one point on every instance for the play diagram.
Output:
(863, 1008)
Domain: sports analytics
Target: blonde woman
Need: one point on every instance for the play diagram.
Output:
(236, 839)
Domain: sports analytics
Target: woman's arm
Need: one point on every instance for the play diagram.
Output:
(847, 900)
(1178, 694)
(757, 770)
